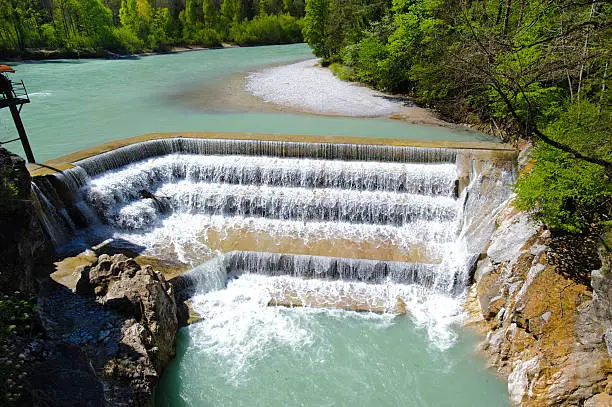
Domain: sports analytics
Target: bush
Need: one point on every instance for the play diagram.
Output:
(126, 41)
(49, 36)
(344, 72)
(206, 37)
(564, 193)
(268, 29)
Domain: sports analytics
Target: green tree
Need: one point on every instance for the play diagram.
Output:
(211, 14)
(315, 27)
(18, 24)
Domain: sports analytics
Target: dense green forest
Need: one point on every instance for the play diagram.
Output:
(129, 26)
(534, 70)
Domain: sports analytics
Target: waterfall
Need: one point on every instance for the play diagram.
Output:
(58, 225)
(364, 224)
(155, 148)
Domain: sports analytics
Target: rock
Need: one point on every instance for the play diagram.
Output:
(83, 287)
(602, 293)
(608, 340)
(579, 378)
(545, 328)
(153, 304)
(133, 353)
(26, 250)
(537, 324)
(599, 400)
(508, 240)
(489, 292)
(139, 293)
(484, 267)
(61, 375)
(518, 381)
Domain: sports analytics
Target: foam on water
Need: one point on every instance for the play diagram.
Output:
(186, 235)
(41, 94)
(416, 178)
(285, 203)
(239, 327)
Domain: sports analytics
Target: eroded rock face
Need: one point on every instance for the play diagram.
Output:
(153, 304)
(141, 344)
(546, 331)
(25, 249)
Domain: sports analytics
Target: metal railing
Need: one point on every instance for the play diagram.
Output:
(18, 91)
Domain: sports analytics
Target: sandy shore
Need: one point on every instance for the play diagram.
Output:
(308, 87)
(305, 87)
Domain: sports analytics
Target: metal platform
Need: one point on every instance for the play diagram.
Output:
(16, 97)
(4, 102)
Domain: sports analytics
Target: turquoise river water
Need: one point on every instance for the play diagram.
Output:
(246, 353)
(83, 103)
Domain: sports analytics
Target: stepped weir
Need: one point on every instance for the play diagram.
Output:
(345, 222)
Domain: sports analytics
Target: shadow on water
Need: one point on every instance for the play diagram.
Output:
(50, 62)
(120, 246)
(110, 246)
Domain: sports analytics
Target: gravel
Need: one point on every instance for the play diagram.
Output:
(313, 89)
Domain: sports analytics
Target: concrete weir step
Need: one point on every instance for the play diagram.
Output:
(303, 280)
(299, 293)
(372, 248)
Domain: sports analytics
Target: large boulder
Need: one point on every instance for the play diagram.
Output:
(152, 302)
(140, 346)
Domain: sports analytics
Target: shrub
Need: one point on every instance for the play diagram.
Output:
(268, 29)
(126, 41)
(564, 193)
(344, 72)
(208, 38)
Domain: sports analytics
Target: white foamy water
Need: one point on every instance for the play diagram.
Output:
(240, 328)
(308, 87)
(40, 94)
(426, 179)
(185, 235)
(399, 204)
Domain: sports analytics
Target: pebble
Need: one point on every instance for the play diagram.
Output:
(314, 89)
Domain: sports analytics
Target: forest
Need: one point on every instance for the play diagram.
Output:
(130, 26)
(529, 70)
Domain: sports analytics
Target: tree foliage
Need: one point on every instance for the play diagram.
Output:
(528, 69)
(128, 26)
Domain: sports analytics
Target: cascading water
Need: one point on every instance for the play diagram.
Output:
(361, 227)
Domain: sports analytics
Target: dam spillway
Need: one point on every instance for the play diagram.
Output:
(349, 225)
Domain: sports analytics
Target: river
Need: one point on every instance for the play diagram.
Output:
(245, 352)
(82, 103)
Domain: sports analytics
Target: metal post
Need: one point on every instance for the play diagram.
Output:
(22, 133)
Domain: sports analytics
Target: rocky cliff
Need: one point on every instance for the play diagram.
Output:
(545, 305)
(26, 251)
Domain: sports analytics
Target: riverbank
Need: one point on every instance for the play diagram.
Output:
(541, 302)
(55, 54)
(307, 88)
